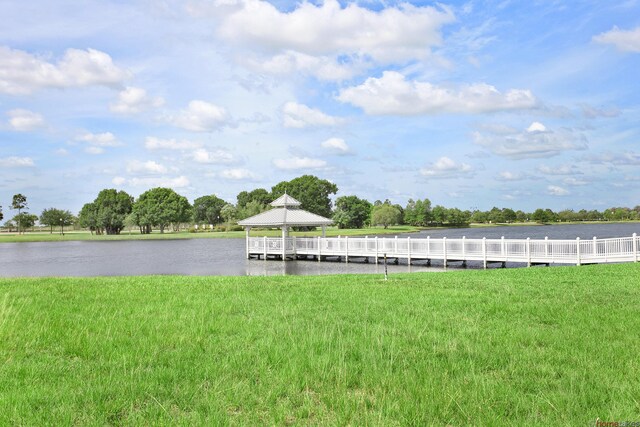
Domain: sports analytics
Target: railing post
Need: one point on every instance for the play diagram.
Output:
(376, 249)
(346, 249)
(319, 248)
(546, 247)
(595, 246)
(395, 245)
(409, 250)
(502, 248)
(295, 247)
(578, 262)
(635, 247)
(264, 242)
(366, 247)
(484, 252)
(464, 252)
(444, 251)
(528, 251)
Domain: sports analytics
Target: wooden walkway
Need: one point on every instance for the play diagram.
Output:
(528, 251)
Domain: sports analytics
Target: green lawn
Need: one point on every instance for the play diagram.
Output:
(125, 235)
(537, 346)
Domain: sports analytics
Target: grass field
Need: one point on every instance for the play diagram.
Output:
(85, 235)
(538, 346)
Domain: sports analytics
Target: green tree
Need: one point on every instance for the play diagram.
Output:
(351, 212)
(439, 214)
(509, 215)
(112, 208)
(160, 207)
(26, 220)
(229, 213)
(18, 203)
(543, 215)
(312, 192)
(496, 216)
(88, 218)
(206, 209)
(254, 207)
(56, 217)
(259, 195)
(385, 215)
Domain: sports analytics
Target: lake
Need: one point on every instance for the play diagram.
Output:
(227, 256)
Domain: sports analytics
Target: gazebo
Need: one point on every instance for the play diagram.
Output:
(286, 213)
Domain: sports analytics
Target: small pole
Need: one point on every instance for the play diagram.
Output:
(635, 247)
(386, 277)
(578, 262)
(444, 251)
(409, 250)
(595, 246)
(376, 249)
(528, 252)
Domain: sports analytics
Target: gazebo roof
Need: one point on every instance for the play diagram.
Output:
(286, 213)
(284, 201)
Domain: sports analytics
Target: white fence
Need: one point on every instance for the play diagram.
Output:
(529, 251)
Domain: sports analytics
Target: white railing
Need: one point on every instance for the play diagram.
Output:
(530, 251)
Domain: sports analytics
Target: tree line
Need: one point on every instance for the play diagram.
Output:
(162, 208)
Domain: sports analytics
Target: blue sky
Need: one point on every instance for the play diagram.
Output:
(470, 104)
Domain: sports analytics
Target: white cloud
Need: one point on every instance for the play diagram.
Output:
(444, 167)
(511, 176)
(629, 158)
(24, 120)
(178, 182)
(94, 150)
(393, 94)
(22, 73)
(327, 32)
(300, 116)
(218, 156)
(299, 163)
(321, 67)
(134, 100)
(554, 190)
(574, 181)
(153, 143)
(148, 167)
(559, 170)
(201, 116)
(105, 139)
(623, 40)
(237, 174)
(536, 127)
(337, 146)
(16, 162)
(528, 144)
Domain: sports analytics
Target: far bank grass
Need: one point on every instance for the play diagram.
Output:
(134, 235)
(538, 346)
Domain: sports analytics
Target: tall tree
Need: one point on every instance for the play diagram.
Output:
(351, 212)
(88, 218)
(26, 220)
(259, 195)
(207, 209)
(229, 213)
(53, 217)
(18, 203)
(385, 215)
(160, 207)
(312, 192)
(112, 208)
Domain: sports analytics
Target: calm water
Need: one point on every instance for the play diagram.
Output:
(227, 256)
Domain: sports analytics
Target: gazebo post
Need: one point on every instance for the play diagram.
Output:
(247, 230)
(324, 231)
(284, 243)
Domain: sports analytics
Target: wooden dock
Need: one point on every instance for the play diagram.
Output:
(527, 251)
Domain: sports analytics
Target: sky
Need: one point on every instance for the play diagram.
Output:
(521, 104)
